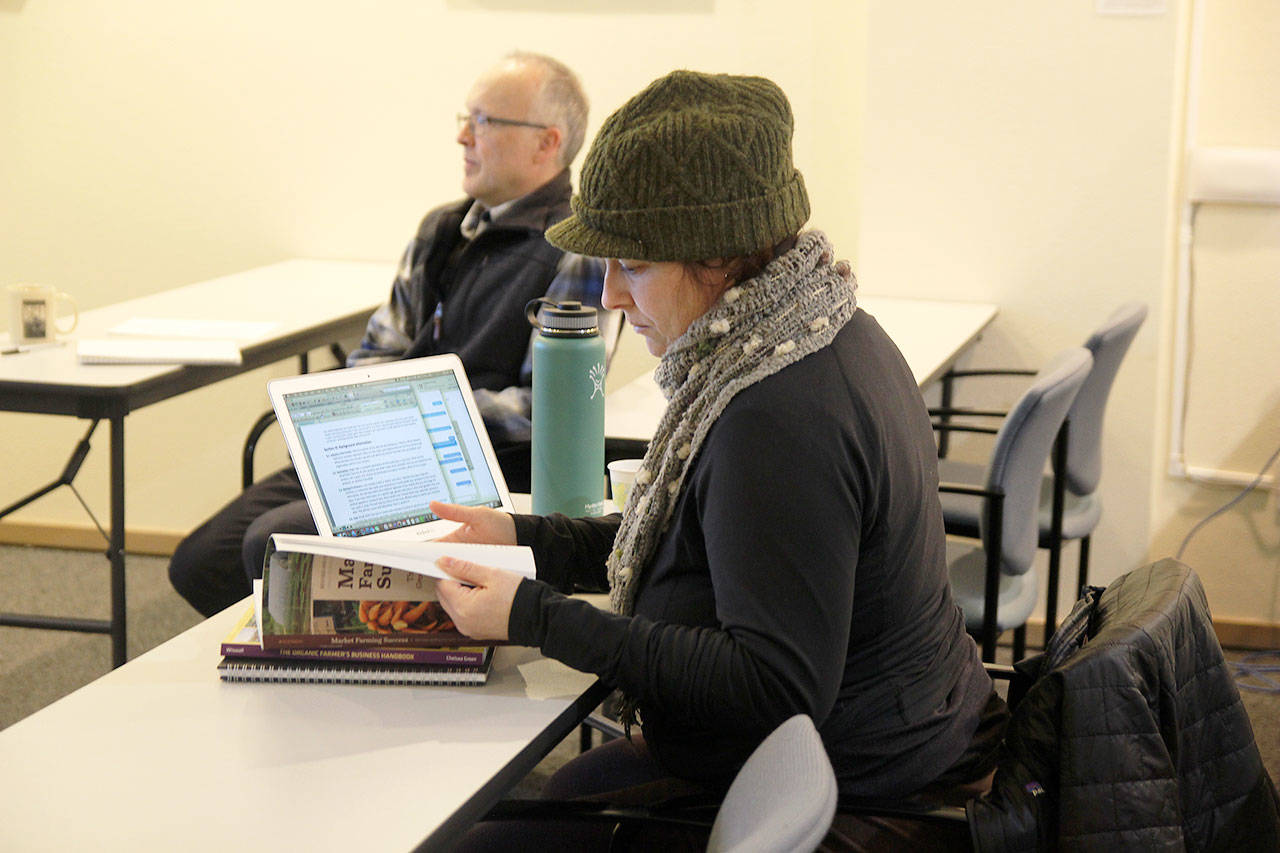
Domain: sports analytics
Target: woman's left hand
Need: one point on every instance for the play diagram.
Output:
(479, 601)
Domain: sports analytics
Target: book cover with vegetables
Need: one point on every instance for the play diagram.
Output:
(244, 642)
(314, 596)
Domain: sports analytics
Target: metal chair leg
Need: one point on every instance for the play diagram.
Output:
(1082, 578)
(1019, 643)
(991, 588)
(1055, 532)
(944, 435)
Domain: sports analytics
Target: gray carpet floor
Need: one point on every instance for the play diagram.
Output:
(38, 667)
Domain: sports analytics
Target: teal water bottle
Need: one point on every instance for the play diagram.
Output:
(568, 409)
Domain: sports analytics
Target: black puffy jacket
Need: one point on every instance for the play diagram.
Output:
(1132, 735)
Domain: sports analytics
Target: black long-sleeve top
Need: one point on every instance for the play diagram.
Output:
(803, 570)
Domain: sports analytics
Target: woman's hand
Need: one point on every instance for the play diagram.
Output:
(479, 601)
(480, 524)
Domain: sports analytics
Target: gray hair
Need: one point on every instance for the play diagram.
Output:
(560, 101)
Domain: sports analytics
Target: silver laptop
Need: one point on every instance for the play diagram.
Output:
(373, 446)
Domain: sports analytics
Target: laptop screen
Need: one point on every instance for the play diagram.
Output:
(380, 451)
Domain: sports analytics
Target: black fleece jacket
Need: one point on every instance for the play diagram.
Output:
(803, 571)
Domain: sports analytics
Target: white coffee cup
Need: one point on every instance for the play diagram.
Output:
(33, 313)
(621, 474)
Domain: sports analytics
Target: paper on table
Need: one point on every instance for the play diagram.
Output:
(171, 327)
(7, 348)
(156, 351)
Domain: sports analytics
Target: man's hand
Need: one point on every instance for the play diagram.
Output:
(479, 601)
(480, 524)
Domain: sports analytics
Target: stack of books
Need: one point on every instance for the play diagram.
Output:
(337, 661)
(342, 611)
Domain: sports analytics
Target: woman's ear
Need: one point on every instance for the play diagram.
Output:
(716, 275)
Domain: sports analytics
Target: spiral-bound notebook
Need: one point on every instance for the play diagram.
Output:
(355, 672)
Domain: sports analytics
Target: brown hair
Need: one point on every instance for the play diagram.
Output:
(743, 267)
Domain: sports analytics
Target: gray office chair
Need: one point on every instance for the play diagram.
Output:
(1076, 491)
(991, 580)
(782, 800)
(267, 418)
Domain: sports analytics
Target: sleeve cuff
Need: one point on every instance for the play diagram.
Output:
(526, 528)
(525, 625)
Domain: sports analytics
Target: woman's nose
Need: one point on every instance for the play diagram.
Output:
(615, 295)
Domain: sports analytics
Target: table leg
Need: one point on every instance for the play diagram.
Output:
(115, 550)
(65, 623)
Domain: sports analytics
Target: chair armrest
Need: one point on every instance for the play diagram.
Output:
(251, 445)
(1001, 671)
(269, 417)
(962, 489)
(950, 427)
(700, 816)
(954, 411)
(910, 809)
(959, 374)
(946, 411)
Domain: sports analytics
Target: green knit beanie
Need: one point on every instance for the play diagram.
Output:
(696, 166)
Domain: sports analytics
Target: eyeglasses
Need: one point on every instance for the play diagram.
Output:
(478, 123)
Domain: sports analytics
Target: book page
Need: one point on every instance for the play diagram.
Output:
(418, 557)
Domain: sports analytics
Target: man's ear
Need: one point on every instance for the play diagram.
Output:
(549, 143)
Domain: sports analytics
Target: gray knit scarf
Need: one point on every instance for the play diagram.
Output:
(794, 307)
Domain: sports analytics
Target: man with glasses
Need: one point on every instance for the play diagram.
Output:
(461, 287)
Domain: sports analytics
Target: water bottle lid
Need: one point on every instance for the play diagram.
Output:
(561, 318)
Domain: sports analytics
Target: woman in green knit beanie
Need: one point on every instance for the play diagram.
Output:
(781, 550)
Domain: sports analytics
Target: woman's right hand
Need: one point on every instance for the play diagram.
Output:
(480, 524)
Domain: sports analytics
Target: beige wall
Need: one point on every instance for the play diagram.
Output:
(1026, 154)
(1232, 420)
(1031, 155)
(1018, 153)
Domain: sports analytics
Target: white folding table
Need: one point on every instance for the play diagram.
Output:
(160, 754)
(931, 334)
(308, 304)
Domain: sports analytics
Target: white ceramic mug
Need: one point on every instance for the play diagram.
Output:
(621, 474)
(33, 313)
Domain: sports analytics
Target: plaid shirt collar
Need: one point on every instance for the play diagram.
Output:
(532, 211)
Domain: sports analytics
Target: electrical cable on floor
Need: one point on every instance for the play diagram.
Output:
(1251, 673)
(1248, 667)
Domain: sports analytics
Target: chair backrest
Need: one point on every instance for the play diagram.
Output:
(1108, 343)
(783, 798)
(1021, 451)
